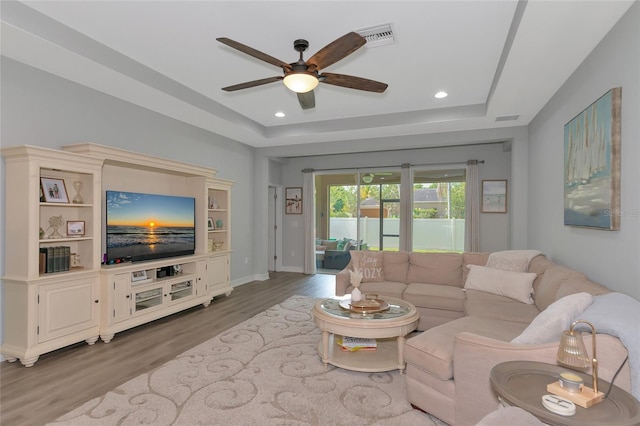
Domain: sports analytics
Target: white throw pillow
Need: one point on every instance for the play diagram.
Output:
(548, 326)
(369, 263)
(515, 285)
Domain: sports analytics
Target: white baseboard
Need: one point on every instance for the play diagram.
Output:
(293, 269)
(249, 278)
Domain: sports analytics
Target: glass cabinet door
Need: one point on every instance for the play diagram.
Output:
(180, 290)
(147, 299)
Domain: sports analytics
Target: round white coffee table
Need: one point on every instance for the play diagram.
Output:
(389, 328)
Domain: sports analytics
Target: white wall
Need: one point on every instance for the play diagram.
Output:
(609, 257)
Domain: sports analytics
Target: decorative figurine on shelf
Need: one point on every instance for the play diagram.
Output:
(41, 233)
(77, 185)
(356, 278)
(55, 222)
(219, 224)
(213, 204)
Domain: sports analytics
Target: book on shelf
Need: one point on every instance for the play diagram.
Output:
(353, 344)
(55, 259)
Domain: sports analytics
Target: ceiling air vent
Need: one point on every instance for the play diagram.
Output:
(507, 118)
(378, 35)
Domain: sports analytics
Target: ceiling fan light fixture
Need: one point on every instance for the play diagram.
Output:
(301, 82)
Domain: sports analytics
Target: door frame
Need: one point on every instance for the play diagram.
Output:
(274, 233)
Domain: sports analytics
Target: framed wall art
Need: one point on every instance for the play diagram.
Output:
(592, 165)
(494, 196)
(293, 200)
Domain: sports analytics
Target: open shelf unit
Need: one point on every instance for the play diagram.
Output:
(44, 310)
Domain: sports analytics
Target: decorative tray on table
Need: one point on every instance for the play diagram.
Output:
(367, 306)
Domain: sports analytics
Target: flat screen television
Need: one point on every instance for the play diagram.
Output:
(148, 226)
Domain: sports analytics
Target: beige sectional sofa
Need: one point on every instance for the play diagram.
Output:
(465, 332)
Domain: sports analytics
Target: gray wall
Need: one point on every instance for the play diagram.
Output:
(495, 228)
(44, 110)
(609, 257)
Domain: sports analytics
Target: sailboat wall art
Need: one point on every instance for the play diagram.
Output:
(592, 165)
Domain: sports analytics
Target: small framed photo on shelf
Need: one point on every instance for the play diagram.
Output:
(54, 190)
(75, 228)
(137, 276)
(210, 224)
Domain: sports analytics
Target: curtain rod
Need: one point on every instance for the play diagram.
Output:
(380, 167)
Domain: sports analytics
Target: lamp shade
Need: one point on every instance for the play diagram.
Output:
(572, 351)
(301, 82)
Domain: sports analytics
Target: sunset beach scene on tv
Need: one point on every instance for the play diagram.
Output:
(149, 226)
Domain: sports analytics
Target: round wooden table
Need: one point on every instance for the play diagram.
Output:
(522, 384)
(389, 328)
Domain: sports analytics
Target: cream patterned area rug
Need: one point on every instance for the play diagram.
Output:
(264, 371)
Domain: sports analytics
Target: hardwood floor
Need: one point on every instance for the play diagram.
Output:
(65, 379)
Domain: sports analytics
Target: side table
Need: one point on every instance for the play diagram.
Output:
(523, 383)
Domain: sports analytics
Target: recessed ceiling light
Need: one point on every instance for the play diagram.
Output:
(280, 114)
(441, 95)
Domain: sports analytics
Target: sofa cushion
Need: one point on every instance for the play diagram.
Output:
(370, 263)
(432, 350)
(548, 326)
(435, 268)
(330, 244)
(580, 283)
(547, 290)
(473, 259)
(435, 296)
(383, 288)
(487, 305)
(396, 265)
(516, 285)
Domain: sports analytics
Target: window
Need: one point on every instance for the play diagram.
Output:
(438, 210)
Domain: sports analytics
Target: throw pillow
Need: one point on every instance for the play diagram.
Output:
(548, 326)
(512, 260)
(515, 285)
(369, 263)
(321, 248)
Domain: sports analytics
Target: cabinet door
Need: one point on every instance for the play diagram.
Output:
(121, 286)
(218, 275)
(148, 299)
(202, 277)
(67, 307)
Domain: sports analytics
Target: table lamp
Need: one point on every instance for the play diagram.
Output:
(572, 352)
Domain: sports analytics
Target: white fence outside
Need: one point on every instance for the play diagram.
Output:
(428, 234)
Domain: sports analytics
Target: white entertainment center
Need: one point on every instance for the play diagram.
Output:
(84, 298)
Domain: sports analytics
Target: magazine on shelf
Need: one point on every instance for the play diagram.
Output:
(353, 344)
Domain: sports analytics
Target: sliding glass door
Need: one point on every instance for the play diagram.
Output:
(363, 207)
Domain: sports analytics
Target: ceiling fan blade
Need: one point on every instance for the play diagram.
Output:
(336, 50)
(307, 100)
(352, 82)
(249, 84)
(255, 53)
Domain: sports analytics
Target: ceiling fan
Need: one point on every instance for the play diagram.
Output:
(303, 76)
